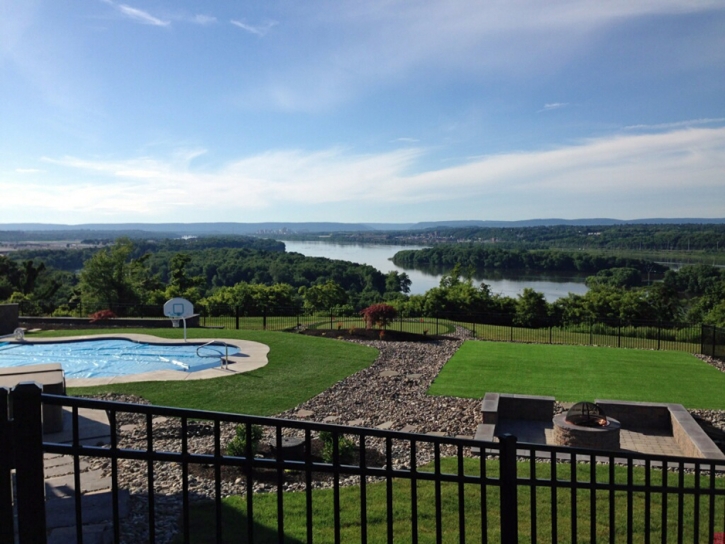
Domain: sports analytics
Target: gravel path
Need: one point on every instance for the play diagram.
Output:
(391, 393)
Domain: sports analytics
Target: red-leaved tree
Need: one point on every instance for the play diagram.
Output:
(379, 314)
(102, 315)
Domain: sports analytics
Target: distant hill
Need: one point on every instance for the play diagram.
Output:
(277, 228)
(555, 222)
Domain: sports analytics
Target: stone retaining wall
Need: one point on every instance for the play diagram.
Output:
(85, 323)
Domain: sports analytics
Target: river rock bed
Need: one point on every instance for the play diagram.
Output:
(390, 394)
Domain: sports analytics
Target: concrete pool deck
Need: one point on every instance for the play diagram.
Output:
(252, 356)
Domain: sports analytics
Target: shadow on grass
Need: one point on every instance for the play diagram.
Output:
(203, 528)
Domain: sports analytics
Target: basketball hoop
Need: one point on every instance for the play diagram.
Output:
(178, 309)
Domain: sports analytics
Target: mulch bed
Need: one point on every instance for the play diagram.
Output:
(372, 334)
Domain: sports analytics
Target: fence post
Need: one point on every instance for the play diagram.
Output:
(264, 318)
(619, 334)
(6, 465)
(236, 317)
(659, 335)
(714, 340)
(591, 332)
(29, 472)
(509, 490)
(702, 338)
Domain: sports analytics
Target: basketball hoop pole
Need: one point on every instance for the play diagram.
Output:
(184, 320)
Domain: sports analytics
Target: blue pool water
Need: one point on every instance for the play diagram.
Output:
(113, 357)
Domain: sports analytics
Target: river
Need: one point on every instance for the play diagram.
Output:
(378, 256)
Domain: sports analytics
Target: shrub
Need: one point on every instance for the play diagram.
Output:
(101, 315)
(379, 314)
(345, 446)
(237, 446)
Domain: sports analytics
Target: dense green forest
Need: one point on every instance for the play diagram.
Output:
(482, 256)
(140, 273)
(631, 237)
(658, 238)
(134, 277)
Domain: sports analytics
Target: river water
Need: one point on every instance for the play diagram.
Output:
(378, 256)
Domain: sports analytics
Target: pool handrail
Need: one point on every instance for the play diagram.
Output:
(225, 359)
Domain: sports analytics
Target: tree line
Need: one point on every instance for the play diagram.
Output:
(482, 256)
(128, 275)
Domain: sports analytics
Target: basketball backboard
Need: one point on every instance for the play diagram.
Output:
(178, 308)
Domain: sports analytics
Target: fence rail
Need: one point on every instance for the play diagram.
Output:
(382, 485)
(688, 337)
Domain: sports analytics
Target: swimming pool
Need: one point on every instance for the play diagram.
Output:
(114, 357)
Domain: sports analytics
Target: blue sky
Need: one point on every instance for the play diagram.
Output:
(376, 111)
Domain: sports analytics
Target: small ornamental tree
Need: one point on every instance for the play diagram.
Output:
(101, 315)
(379, 314)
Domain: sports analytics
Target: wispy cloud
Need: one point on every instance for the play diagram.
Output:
(610, 175)
(554, 106)
(203, 19)
(373, 43)
(406, 140)
(258, 30)
(138, 15)
(677, 124)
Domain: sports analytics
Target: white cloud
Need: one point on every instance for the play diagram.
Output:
(677, 124)
(137, 15)
(203, 19)
(554, 106)
(648, 173)
(259, 30)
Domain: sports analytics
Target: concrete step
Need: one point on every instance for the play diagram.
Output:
(64, 486)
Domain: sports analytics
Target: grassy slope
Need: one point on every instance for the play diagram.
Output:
(299, 368)
(574, 373)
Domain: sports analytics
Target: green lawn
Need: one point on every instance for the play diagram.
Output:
(575, 373)
(265, 510)
(299, 368)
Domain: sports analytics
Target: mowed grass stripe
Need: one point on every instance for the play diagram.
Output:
(575, 373)
(299, 368)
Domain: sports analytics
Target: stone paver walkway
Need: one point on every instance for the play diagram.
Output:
(60, 486)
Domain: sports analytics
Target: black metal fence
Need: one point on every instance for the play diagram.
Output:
(380, 486)
(689, 337)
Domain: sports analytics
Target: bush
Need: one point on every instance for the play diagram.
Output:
(379, 314)
(237, 446)
(345, 447)
(101, 315)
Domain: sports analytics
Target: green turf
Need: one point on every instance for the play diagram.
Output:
(234, 510)
(299, 368)
(575, 373)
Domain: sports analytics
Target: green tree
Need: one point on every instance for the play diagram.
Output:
(111, 279)
(323, 296)
(397, 282)
(532, 310)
